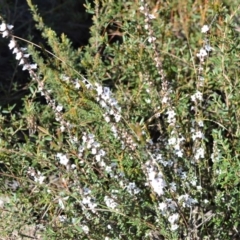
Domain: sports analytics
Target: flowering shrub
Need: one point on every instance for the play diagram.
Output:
(134, 136)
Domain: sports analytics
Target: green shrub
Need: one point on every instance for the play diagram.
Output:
(133, 136)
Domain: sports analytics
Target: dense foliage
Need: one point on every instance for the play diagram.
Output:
(129, 131)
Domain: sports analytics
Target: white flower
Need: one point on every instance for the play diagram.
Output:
(62, 218)
(12, 44)
(99, 90)
(151, 16)
(33, 66)
(94, 151)
(172, 141)
(200, 123)
(90, 203)
(60, 202)
(59, 108)
(110, 202)
(171, 116)
(163, 206)
(165, 99)
(63, 159)
(5, 34)
(158, 184)
(117, 117)
(132, 188)
(19, 55)
(22, 62)
(106, 117)
(173, 218)
(151, 39)
(173, 186)
(199, 188)
(3, 27)
(186, 200)
(62, 128)
(208, 48)
(205, 29)
(174, 227)
(101, 153)
(39, 179)
(15, 50)
(198, 134)
(179, 153)
(197, 96)
(85, 228)
(77, 84)
(199, 153)
(202, 53)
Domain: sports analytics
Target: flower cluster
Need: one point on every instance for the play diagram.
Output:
(37, 176)
(21, 54)
(110, 202)
(5, 29)
(88, 201)
(155, 178)
(108, 103)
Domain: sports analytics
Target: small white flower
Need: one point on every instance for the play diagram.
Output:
(200, 153)
(39, 179)
(22, 62)
(173, 218)
(62, 218)
(205, 29)
(63, 159)
(197, 96)
(205, 201)
(12, 44)
(59, 108)
(171, 113)
(25, 66)
(173, 186)
(200, 123)
(19, 55)
(60, 202)
(196, 135)
(172, 141)
(77, 84)
(3, 27)
(15, 50)
(110, 202)
(151, 16)
(117, 117)
(107, 118)
(202, 53)
(5, 33)
(151, 39)
(163, 206)
(33, 66)
(174, 227)
(99, 90)
(94, 151)
(85, 228)
(208, 48)
(62, 128)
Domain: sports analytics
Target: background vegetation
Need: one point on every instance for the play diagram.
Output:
(129, 126)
